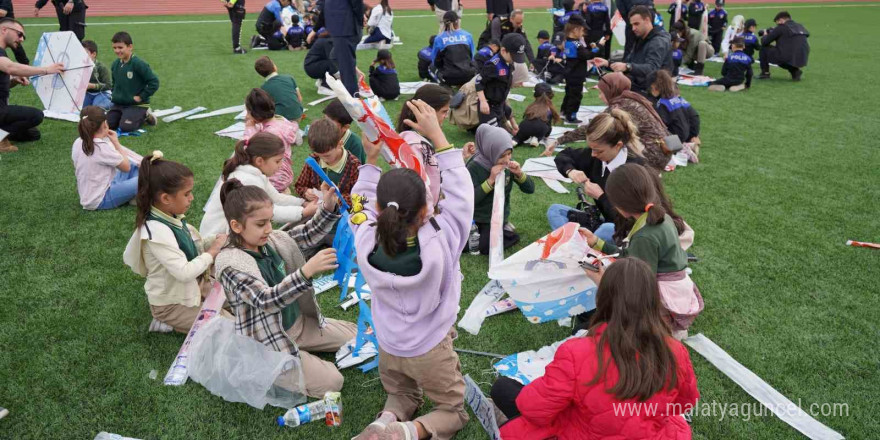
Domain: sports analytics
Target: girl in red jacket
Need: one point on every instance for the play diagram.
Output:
(627, 379)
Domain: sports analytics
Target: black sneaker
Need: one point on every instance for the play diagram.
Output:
(239, 51)
(29, 135)
(573, 120)
(764, 75)
(255, 41)
(796, 75)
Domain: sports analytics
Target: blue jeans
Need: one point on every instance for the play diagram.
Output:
(375, 37)
(557, 215)
(122, 189)
(100, 99)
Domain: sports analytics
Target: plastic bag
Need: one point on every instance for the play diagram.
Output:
(240, 369)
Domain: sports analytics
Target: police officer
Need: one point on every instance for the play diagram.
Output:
(717, 25)
(453, 51)
(71, 15)
(495, 79)
(624, 6)
(269, 24)
(791, 50)
(599, 26)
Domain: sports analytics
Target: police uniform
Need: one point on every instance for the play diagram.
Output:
(269, 24)
(677, 55)
(483, 55)
(494, 80)
(752, 43)
(695, 14)
(453, 57)
(717, 25)
(680, 117)
(556, 70)
(425, 64)
(737, 69)
(599, 25)
(542, 57)
(576, 56)
(682, 17)
(559, 22)
(296, 36)
(384, 82)
(75, 21)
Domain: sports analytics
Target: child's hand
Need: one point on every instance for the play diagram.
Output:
(600, 62)
(596, 277)
(496, 170)
(309, 209)
(218, 243)
(484, 107)
(112, 136)
(372, 150)
(468, 150)
(322, 261)
(589, 236)
(330, 197)
(426, 122)
(549, 148)
(310, 196)
(514, 168)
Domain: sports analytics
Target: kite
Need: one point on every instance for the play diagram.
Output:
(62, 92)
(527, 366)
(178, 373)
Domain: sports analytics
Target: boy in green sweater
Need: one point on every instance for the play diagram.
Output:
(336, 112)
(493, 152)
(98, 90)
(133, 85)
(282, 89)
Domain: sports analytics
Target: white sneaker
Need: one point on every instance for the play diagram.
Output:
(157, 326)
(533, 141)
(3, 412)
(737, 87)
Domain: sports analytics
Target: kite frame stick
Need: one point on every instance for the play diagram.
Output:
(480, 353)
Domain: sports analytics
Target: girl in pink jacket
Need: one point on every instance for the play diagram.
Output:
(260, 118)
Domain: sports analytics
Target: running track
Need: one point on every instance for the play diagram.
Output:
(25, 8)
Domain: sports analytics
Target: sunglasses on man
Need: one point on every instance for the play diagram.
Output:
(20, 33)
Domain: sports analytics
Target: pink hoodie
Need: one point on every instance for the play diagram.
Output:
(288, 132)
(413, 314)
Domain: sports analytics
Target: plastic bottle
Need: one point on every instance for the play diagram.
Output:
(474, 240)
(303, 414)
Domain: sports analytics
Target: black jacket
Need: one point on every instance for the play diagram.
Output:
(344, 18)
(499, 7)
(737, 68)
(384, 82)
(78, 5)
(624, 6)
(581, 159)
(695, 14)
(680, 117)
(494, 80)
(650, 54)
(598, 22)
(791, 40)
(717, 21)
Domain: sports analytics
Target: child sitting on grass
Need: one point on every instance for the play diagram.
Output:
(737, 69)
(654, 239)
(100, 84)
(539, 117)
(336, 112)
(133, 84)
(166, 250)
(105, 176)
(679, 115)
(253, 162)
(383, 76)
(494, 148)
(486, 52)
(261, 118)
(282, 88)
(609, 368)
(410, 258)
(425, 61)
(339, 165)
(267, 282)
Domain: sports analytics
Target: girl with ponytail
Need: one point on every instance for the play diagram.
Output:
(261, 118)
(539, 117)
(654, 239)
(410, 258)
(438, 98)
(167, 251)
(268, 283)
(254, 161)
(105, 176)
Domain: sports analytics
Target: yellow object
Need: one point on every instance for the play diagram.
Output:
(358, 218)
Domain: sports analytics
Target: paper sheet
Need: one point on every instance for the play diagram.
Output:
(222, 111)
(177, 116)
(694, 81)
(483, 409)
(475, 314)
(409, 88)
(781, 406)
(320, 100)
(234, 131)
(62, 116)
(527, 366)
(167, 111)
(496, 228)
(555, 185)
(516, 97)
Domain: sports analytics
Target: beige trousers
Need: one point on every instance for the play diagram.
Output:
(437, 374)
(181, 317)
(704, 51)
(439, 12)
(320, 376)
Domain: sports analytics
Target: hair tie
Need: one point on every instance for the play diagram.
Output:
(394, 204)
(246, 142)
(85, 117)
(648, 207)
(156, 155)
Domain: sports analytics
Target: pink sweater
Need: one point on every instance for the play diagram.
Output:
(288, 132)
(413, 314)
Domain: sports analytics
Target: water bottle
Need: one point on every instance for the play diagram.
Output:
(474, 240)
(303, 414)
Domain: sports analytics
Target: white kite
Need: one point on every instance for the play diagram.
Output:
(62, 92)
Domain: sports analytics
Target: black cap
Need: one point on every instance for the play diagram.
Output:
(749, 23)
(577, 20)
(719, 2)
(515, 45)
(450, 16)
(383, 54)
(543, 35)
(558, 38)
(543, 88)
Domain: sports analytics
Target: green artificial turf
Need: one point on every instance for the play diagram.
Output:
(788, 173)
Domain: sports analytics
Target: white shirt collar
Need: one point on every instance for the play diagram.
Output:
(618, 160)
(271, 75)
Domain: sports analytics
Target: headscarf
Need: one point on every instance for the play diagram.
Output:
(616, 87)
(492, 143)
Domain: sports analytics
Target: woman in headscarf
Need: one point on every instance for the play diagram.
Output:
(493, 151)
(614, 90)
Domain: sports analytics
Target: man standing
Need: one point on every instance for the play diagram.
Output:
(71, 15)
(441, 7)
(20, 122)
(625, 7)
(7, 11)
(791, 50)
(651, 50)
(344, 20)
(498, 8)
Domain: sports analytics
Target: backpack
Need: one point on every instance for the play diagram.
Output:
(465, 106)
